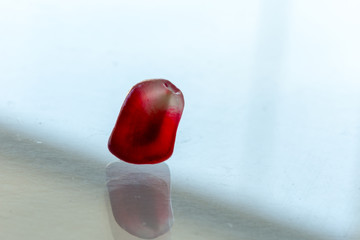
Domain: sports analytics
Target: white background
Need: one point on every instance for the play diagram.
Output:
(272, 93)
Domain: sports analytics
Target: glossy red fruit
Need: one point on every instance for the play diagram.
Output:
(145, 130)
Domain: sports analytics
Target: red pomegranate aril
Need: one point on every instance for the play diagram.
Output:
(145, 130)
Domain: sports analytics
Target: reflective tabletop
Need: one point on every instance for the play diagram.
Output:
(267, 148)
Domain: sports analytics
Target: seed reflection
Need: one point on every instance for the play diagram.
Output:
(140, 198)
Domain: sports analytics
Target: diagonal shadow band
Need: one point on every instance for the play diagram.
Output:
(196, 217)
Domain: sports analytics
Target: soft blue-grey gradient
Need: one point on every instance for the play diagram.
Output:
(272, 92)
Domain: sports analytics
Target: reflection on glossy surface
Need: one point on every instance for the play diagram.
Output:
(140, 198)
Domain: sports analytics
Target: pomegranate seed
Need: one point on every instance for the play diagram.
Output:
(145, 130)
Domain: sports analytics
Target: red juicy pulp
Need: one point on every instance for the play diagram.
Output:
(145, 130)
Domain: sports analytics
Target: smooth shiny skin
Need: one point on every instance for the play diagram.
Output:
(145, 130)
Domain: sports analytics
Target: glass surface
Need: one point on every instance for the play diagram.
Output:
(268, 144)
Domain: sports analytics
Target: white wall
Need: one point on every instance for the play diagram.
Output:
(272, 112)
